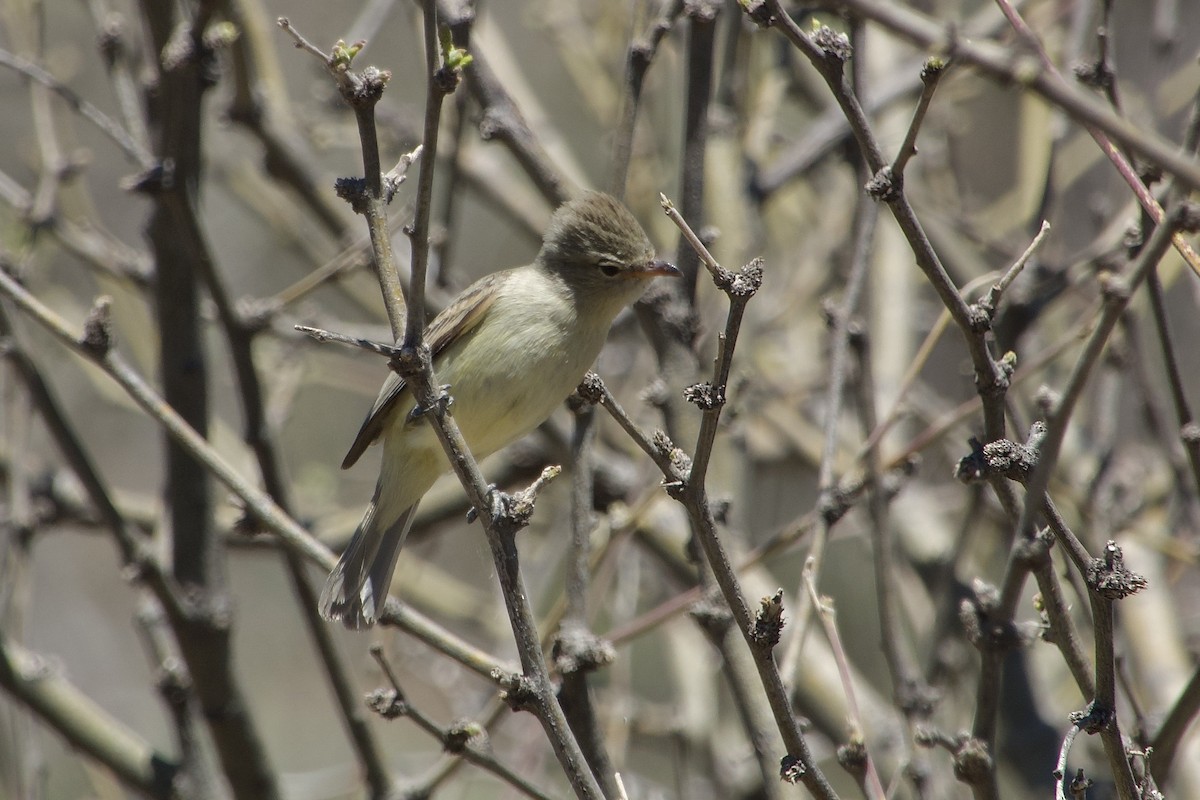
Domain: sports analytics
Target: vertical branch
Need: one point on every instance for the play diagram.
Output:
(687, 485)
(701, 39)
(583, 441)
(866, 214)
(180, 252)
(1109, 581)
(1174, 728)
(240, 334)
(1188, 431)
(183, 363)
(438, 85)
(576, 650)
(637, 64)
(459, 18)
(912, 698)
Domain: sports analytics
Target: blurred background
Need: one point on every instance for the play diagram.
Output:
(779, 179)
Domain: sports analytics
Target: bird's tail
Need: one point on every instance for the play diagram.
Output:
(358, 586)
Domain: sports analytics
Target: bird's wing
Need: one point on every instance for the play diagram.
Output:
(456, 320)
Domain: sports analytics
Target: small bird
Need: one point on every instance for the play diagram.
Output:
(512, 347)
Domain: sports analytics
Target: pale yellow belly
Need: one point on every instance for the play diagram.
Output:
(505, 379)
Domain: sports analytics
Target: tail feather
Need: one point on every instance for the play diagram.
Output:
(358, 586)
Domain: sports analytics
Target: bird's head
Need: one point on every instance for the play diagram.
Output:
(595, 244)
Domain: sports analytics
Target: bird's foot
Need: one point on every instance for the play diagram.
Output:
(441, 403)
(500, 501)
(498, 504)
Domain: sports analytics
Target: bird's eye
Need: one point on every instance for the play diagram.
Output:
(610, 269)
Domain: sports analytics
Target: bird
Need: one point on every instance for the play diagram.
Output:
(511, 347)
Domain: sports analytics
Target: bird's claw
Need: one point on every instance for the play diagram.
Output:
(442, 403)
(498, 502)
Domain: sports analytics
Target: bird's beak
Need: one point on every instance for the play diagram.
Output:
(655, 268)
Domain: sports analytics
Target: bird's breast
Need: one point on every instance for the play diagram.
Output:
(518, 365)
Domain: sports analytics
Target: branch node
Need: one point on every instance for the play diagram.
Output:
(353, 191)
(364, 89)
(512, 512)
(744, 283)
(704, 396)
(791, 769)
(713, 616)
(987, 634)
(461, 733)
(255, 314)
(1002, 458)
(518, 691)
(1095, 74)
(521, 504)
(759, 12)
(853, 757)
(1189, 216)
(769, 622)
(158, 178)
(918, 699)
(1080, 783)
(578, 650)
(1114, 288)
(681, 463)
(591, 389)
(111, 41)
(932, 69)
(1109, 578)
(928, 736)
(834, 45)
(1094, 719)
(972, 762)
(885, 185)
(97, 337)
(387, 703)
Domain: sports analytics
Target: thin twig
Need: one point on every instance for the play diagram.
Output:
(824, 606)
(1188, 432)
(828, 51)
(321, 335)
(998, 62)
(1048, 83)
(135, 150)
(465, 739)
(931, 73)
(257, 502)
(1117, 296)
(301, 42)
(637, 63)
(710, 397)
(502, 120)
(991, 300)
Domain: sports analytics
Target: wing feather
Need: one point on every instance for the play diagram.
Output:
(455, 321)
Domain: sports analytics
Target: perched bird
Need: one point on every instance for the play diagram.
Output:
(512, 347)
